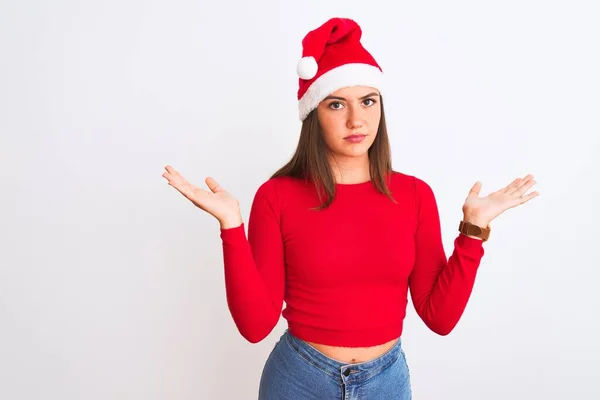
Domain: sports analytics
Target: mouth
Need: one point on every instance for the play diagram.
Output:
(355, 138)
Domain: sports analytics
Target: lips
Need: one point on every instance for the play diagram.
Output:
(354, 136)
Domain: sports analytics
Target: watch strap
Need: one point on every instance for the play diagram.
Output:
(470, 229)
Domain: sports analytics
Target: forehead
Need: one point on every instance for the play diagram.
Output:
(354, 91)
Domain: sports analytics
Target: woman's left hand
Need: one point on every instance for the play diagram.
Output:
(482, 210)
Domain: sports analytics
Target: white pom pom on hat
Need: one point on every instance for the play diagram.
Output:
(307, 67)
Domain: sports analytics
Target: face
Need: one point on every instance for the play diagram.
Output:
(349, 111)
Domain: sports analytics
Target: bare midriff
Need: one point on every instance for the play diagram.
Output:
(353, 355)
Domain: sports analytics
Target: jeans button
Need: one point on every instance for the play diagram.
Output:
(346, 372)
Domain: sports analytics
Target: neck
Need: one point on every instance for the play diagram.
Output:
(350, 170)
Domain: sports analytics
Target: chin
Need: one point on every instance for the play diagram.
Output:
(358, 152)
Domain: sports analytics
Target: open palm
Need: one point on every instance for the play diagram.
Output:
(484, 209)
(217, 202)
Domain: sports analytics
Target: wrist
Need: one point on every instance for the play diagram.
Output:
(231, 222)
(473, 219)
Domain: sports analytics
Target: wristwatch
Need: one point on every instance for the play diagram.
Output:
(473, 230)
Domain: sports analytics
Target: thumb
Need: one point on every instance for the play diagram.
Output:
(474, 192)
(213, 185)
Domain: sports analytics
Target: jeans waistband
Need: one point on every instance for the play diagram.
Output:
(353, 372)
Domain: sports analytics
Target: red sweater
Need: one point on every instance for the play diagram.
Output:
(345, 272)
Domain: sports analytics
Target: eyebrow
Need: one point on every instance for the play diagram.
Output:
(341, 98)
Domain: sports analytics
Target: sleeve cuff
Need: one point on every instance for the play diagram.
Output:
(233, 234)
(469, 244)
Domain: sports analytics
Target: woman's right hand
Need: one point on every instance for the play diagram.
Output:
(217, 202)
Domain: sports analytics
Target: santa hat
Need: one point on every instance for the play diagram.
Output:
(333, 58)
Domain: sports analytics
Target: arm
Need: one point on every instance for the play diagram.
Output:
(440, 288)
(254, 267)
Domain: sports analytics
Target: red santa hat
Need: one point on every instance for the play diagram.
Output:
(333, 58)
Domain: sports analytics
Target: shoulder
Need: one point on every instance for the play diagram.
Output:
(412, 183)
(277, 184)
(267, 190)
(405, 179)
(274, 189)
(284, 185)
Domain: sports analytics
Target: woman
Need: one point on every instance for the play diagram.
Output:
(341, 238)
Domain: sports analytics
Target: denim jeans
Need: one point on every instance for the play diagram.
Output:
(295, 370)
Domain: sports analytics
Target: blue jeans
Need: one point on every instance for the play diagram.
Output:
(295, 370)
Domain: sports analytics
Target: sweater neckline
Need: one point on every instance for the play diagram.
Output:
(354, 185)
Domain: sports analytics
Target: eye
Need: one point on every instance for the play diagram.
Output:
(331, 105)
(371, 100)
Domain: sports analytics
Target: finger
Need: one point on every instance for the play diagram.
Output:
(176, 177)
(517, 183)
(174, 173)
(170, 169)
(524, 188)
(530, 196)
(474, 192)
(213, 185)
(174, 180)
(522, 182)
(511, 186)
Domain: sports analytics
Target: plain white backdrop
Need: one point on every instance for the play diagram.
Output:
(111, 282)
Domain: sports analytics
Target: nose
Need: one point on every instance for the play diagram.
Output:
(355, 118)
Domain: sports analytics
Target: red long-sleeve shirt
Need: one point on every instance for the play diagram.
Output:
(344, 272)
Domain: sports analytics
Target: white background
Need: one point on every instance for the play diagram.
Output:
(111, 282)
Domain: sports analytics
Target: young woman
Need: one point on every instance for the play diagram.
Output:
(341, 238)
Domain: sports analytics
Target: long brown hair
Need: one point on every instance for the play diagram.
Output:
(310, 161)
